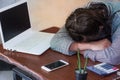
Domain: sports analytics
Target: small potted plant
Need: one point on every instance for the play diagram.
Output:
(81, 73)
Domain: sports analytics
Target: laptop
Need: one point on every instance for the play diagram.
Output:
(16, 32)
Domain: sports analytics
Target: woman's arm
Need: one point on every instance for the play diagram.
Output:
(61, 42)
(100, 45)
(109, 55)
(95, 45)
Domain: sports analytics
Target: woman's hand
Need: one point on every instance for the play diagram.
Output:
(95, 45)
(81, 46)
(100, 45)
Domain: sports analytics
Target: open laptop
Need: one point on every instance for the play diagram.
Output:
(16, 32)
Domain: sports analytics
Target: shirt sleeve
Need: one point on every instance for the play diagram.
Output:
(61, 42)
(111, 54)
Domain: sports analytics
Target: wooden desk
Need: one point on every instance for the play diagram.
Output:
(32, 64)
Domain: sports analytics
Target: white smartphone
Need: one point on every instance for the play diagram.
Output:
(54, 65)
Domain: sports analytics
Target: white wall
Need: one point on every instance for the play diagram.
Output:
(48, 13)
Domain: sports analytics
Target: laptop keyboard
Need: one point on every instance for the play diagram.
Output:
(33, 41)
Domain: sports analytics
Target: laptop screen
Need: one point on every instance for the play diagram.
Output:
(14, 21)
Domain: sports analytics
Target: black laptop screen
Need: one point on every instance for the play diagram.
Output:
(14, 21)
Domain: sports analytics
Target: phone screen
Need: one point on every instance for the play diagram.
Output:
(55, 64)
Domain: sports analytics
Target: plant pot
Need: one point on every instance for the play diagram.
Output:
(81, 75)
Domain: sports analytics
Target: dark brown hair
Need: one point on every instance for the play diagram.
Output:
(89, 23)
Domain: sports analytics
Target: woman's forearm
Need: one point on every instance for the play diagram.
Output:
(81, 46)
(95, 45)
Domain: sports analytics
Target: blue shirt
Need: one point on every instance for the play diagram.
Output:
(62, 41)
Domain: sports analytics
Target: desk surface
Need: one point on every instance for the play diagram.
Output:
(32, 64)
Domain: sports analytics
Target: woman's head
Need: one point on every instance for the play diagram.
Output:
(88, 24)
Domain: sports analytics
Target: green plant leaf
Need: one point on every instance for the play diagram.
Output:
(86, 62)
(79, 61)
